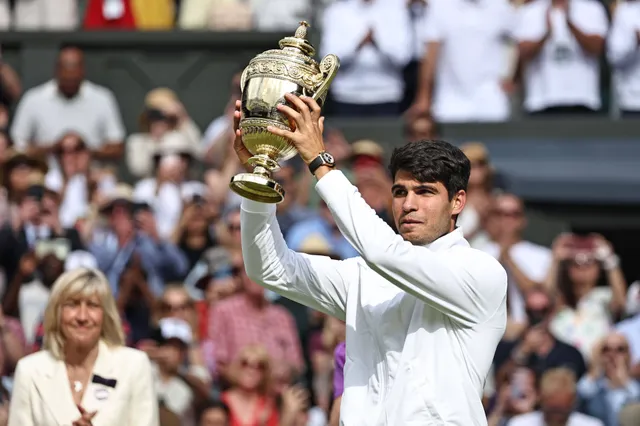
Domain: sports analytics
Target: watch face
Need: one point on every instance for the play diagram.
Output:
(328, 157)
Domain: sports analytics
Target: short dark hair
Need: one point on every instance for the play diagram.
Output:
(433, 161)
(215, 404)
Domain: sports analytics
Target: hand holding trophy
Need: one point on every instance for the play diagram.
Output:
(264, 83)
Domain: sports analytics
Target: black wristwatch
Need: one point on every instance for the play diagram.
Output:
(323, 159)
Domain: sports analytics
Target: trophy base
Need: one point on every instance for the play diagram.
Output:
(257, 187)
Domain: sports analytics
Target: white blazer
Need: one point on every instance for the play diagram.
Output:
(42, 396)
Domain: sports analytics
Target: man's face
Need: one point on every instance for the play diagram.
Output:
(509, 212)
(121, 220)
(538, 307)
(557, 407)
(70, 72)
(422, 211)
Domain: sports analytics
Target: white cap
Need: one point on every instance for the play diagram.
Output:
(175, 328)
(80, 259)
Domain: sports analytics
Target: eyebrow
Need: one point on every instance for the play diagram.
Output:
(422, 186)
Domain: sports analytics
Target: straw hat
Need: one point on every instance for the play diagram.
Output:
(173, 143)
(160, 98)
(317, 244)
(120, 193)
(476, 152)
(367, 147)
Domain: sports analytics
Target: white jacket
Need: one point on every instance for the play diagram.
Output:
(422, 322)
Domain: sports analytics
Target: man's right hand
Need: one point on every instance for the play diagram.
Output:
(238, 146)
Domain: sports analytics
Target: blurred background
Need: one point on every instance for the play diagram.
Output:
(115, 152)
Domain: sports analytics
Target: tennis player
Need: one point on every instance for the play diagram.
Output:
(424, 311)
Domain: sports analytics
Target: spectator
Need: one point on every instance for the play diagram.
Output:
(215, 413)
(248, 318)
(37, 221)
(170, 184)
(516, 396)
(76, 182)
(173, 338)
(338, 383)
(163, 115)
(473, 218)
(526, 263)
(216, 15)
(624, 58)
(69, 102)
(132, 230)
(609, 385)
(249, 398)
(560, 43)
(17, 169)
(538, 349)
(557, 403)
(587, 311)
(463, 75)
(109, 14)
(372, 38)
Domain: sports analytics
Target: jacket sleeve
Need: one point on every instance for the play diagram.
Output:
(144, 402)
(467, 285)
(20, 406)
(318, 282)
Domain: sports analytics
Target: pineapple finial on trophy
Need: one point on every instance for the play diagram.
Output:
(301, 32)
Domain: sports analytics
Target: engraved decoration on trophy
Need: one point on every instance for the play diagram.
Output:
(264, 82)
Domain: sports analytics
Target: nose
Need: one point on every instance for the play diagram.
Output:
(83, 313)
(409, 204)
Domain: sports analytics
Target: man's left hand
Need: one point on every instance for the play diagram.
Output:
(309, 126)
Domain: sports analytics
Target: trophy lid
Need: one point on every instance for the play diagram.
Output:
(299, 41)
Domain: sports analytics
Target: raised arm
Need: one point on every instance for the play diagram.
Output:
(465, 284)
(318, 282)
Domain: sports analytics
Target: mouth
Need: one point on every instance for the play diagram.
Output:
(409, 222)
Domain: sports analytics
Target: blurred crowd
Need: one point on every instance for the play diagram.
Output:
(151, 208)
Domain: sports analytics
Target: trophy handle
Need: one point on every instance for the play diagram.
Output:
(243, 79)
(328, 68)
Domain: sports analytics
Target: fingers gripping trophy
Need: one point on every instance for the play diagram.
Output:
(264, 83)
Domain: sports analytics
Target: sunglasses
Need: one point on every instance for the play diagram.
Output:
(72, 150)
(233, 227)
(509, 213)
(617, 349)
(259, 365)
(168, 307)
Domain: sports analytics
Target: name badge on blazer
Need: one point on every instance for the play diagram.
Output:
(111, 383)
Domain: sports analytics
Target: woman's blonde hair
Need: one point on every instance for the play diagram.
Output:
(85, 282)
(254, 351)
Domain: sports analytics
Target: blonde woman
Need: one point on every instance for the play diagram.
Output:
(85, 376)
(249, 398)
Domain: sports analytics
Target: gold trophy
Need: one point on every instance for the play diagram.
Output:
(264, 83)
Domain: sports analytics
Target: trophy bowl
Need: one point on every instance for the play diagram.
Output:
(264, 83)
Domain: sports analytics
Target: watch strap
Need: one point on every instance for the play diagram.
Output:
(323, 159)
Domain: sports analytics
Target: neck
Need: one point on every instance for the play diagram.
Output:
(246, 394)
(257, 302)
(547, 344)
(124, 239)
(80, 357)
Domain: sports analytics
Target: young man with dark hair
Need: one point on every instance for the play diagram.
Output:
(424, 311)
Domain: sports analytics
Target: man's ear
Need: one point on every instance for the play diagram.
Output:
(458, 202)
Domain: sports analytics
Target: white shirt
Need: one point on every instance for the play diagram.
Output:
(624, 55)
(373, 74)
(537, 419)
(422, 323)
(562, 74)
(533, 260)
(473, 58)
(44, 116)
